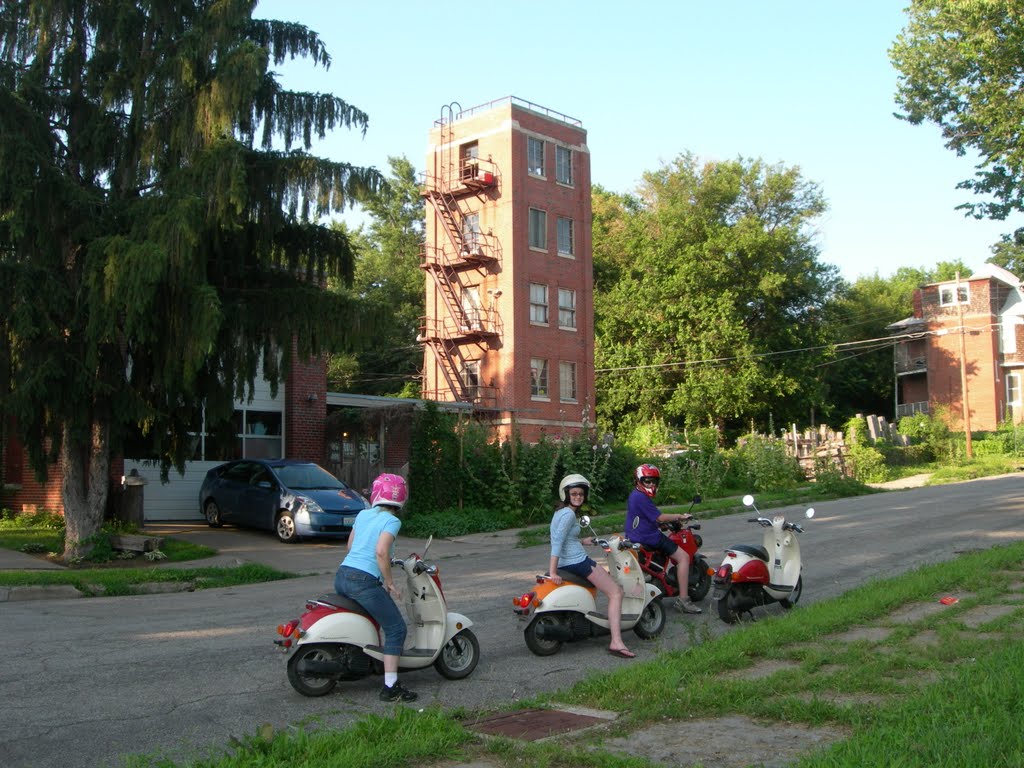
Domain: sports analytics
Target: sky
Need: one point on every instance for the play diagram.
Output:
(804, 83)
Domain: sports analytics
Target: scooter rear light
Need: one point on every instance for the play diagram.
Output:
(289, 629)
(524, 601)
(724, 573)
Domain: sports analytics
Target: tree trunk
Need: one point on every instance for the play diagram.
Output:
(86, 468)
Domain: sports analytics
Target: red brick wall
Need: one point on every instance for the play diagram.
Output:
(305, 409)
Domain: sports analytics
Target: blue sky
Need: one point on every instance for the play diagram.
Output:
(806, 83)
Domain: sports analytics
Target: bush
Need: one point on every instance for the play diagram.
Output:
(762, 464)
(868, 464)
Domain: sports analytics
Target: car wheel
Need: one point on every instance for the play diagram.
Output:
(285, 527)
(212, 514)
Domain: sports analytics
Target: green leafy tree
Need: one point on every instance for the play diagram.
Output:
(388, 279)
(1008, 253)
(959, 64)
(156, 246)
(708, 317)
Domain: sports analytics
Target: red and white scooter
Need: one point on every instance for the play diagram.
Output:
(752, 575)
(336, 640)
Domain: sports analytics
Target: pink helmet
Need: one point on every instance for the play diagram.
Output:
(390, 490)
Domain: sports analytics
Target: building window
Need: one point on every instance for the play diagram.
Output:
(538, 229)
(471, 233)
(538, 377)
(471, 378)
(538, 303)
(259, 434)
(471, 306)
(468, 154)
(566, 308)
(534, 156)
(565, 236)
(946, 293)
(563, 165)
(567, 381)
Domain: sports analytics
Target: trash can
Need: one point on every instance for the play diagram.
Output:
(132, 498)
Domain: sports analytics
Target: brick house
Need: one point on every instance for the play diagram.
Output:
(509, 324)
(983, 313)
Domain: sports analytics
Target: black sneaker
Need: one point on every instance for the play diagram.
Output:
(397, 693)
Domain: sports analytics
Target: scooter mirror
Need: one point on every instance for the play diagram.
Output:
(585, 521)
(748, 500)
(809, 513)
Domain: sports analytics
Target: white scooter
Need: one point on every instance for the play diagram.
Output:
(560, 613)
(753, 575)
(336, 639)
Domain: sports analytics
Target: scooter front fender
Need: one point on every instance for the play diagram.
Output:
(456, 622)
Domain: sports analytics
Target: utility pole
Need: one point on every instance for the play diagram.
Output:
(963, 371)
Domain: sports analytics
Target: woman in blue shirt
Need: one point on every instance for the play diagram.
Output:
(567, 552)
(365, 574)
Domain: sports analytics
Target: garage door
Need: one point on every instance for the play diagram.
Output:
(178, 498)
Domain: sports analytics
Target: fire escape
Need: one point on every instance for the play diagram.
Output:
(462, 251)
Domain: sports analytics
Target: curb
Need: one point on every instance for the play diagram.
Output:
(52, 592)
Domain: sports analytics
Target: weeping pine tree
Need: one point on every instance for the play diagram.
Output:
(159, 226)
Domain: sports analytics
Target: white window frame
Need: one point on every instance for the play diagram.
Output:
(946, 293)
(471, 307)
(471, 378)
(566, 237)
(538, 229)
(567, 381)
(567, 308)
(538, 304)
(539, 379)
(563, 165)
(535, 156)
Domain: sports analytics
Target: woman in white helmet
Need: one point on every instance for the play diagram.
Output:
(567, 553)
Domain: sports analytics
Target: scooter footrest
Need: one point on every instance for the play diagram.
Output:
(596, 615)
(418, 652)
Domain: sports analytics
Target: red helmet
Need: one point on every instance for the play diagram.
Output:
(647, 477)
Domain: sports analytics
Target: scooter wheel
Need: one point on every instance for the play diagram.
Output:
(542, 646)
(794, 596)
(305, 683)
(700, 582)
(459, 656)
(727, 610)
(652, 620)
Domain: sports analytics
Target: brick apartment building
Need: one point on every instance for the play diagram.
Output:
(509, 290)
(983, 312)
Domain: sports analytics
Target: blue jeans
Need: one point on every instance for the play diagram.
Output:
(370, 593)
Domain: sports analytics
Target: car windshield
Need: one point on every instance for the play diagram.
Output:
(307, 477)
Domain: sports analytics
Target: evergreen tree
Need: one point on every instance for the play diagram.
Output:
(156, 246)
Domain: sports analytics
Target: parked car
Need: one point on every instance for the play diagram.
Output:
(295, 499)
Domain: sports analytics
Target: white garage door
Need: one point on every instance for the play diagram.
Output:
(177, 499)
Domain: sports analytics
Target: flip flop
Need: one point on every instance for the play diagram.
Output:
(622, 653)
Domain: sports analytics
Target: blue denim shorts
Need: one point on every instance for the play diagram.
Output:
(581, 569)
(368, 591)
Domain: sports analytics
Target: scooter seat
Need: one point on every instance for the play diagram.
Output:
(572, 578)
(346, 603)
(750, 549)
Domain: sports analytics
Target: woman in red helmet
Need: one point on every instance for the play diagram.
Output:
(642, 518)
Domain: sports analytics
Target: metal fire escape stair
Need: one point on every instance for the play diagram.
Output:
(445, 336)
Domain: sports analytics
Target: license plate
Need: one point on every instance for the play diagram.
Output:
(348, 521)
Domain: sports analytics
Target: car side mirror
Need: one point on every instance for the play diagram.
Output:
(265, 484)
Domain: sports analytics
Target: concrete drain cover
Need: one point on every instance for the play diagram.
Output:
(533, 724)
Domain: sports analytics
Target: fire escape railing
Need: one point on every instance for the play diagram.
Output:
(458, 252)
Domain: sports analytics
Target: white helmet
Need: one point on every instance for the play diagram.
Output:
(573, 481)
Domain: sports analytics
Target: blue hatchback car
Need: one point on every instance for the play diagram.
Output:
(295, 499)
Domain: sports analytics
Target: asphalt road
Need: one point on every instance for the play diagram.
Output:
(87, 681)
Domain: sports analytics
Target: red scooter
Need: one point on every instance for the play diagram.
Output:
(659, 569)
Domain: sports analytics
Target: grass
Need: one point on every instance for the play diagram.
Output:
(42, 535)
(947, 703)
